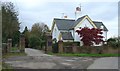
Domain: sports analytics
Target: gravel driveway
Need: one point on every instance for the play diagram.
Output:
(36, 59)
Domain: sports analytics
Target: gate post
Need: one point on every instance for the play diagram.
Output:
(60, 46)
(9, 44)
(22, 43)
(48, 42)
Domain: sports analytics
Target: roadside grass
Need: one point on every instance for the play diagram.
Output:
(11, 54)
(0, 66)
(6, 67)
(85, 55)
(14, 49)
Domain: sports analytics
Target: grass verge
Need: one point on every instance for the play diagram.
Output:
(6, 66)
(7, 55)
(85, 55)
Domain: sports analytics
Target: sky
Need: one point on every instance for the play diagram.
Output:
(34, 11)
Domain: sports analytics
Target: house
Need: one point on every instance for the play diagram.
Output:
(65, 29)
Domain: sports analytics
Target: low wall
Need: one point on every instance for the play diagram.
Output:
(96, 50)
(70, 47)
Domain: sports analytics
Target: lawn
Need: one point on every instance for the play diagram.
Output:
(85, 55)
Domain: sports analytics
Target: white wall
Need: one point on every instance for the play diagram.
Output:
(105, 35)
(72, 32)
(55, 33)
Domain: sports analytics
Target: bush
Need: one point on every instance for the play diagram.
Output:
(34, 41)
(113, 42)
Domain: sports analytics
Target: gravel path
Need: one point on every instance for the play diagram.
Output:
(36, 59)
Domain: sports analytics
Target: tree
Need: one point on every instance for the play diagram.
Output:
(34, 41)
(26, 34)
(10, 22)
(38, 33)
(16, 38)
(90, 36)
(25, 30)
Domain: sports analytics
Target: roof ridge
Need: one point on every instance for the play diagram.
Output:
(64, 19)
(81, 17)
(96, 21)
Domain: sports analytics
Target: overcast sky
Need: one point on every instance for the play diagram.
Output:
(32, 11)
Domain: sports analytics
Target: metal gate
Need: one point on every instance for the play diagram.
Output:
(55, 48)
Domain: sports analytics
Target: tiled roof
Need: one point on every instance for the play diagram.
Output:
(99, 24)
(67, 36)
(64, 24)
(67, 24)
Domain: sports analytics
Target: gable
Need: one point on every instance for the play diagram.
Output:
(53, 25)
(85, 22)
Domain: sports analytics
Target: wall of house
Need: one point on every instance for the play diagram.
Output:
(72, 32)
(105, 35)
(55, 33)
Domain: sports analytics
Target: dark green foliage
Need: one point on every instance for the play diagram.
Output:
(15, 38)
(37, 38)
(113, 42)
(26, 34)
(25, 30)
(34, 41)
(10, 22)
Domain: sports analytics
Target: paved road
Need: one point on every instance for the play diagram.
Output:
(105, 63)
(34, 52)
(36, 59)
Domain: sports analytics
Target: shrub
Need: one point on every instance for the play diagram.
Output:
(113, 42)
(34, 41)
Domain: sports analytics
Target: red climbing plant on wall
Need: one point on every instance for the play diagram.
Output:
(90, 36)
